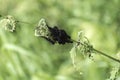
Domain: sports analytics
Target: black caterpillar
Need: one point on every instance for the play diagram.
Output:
(58, 35)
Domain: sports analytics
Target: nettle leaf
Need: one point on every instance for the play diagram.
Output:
(75, 57)
(114, 73)
(52, 34)
(82, 46)
(42, 29)
(9, 23)
(73, 54)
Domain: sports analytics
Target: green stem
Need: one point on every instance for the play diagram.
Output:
(24, 22)
(19, 21)
(117, 60)
(102, 53)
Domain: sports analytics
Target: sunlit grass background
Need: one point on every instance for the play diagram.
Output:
(26, 57)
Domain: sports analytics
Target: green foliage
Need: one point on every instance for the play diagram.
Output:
(82, 46)
(115, 72)
(26, 57)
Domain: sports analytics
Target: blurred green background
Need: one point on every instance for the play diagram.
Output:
(26, 57)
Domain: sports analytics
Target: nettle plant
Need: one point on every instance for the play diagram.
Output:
(59, 36)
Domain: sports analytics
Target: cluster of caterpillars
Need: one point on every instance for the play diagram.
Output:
(58, 36)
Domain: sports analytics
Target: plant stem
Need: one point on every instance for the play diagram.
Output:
(19, 21)
(102, 53)
(24, 22)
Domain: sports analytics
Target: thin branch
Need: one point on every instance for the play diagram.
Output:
(24, 22)
(102, 53)
(18, 21)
